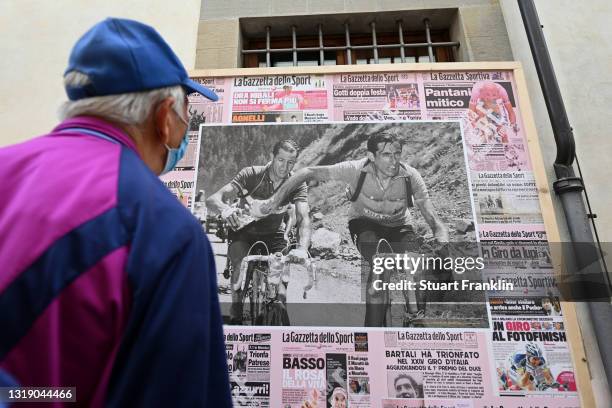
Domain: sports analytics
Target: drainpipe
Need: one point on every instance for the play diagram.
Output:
(569, 189)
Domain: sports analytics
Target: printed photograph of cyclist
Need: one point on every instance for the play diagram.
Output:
(491, 112)
(491, 204)
(299, 250)
(528, 369)
(405, 385)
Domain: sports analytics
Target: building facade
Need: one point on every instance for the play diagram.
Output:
(238, 34)
(212, 34)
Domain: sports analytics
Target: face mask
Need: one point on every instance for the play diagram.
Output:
(175, 155)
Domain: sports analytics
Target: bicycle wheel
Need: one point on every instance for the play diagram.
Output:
(248, 299)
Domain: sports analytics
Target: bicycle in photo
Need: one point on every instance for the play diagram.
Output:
(414, 301)
(263, 280)
(410, 309)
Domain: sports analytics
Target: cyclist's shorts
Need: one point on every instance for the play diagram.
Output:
(404, 233)
(275, 242)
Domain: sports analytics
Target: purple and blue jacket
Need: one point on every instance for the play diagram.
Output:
(107, 283)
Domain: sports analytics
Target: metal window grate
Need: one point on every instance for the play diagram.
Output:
(348, 48)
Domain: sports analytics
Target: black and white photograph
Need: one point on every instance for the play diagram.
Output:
(296, 213)
(404, 384)
(491, 204)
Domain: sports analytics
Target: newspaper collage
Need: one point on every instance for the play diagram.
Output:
(523, 352)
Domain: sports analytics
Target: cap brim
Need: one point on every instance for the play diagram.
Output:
(202, 90)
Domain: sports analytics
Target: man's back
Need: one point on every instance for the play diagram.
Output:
(107, 282)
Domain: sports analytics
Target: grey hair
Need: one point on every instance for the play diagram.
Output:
(128, 108)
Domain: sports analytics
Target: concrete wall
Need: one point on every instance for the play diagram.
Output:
(577, 35)
(578, 38)
(479, 24)
(37, 37)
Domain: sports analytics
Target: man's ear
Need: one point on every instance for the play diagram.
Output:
(163, 120)
(370, 156)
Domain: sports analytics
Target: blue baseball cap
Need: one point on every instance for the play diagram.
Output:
(122, 56)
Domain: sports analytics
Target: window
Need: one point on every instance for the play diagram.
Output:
(387, 46)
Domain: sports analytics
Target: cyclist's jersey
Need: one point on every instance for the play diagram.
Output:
(492, 96)
(387, 207)
(255, 181)
(519, 365)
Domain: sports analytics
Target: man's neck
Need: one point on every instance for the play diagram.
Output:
(149, 151)
(274, 177)
(383, 178)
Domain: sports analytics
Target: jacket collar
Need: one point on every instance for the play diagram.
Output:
(100, 125)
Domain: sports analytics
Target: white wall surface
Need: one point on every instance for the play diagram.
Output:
(578, 37)
(36, 37)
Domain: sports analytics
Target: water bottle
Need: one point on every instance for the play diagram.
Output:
(276, 268)
(243, 269)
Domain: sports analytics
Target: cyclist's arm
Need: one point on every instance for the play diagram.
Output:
(548, 376)
(423, 202)
(438, 228)
(343, 171)
(474, 100)
(473, 108)
(251, 258)
(303, 175)
(291, 221)
(302, 211)
(215, 201)
(510, 111)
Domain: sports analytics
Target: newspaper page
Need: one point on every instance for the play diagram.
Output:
(181, 183)
(434, 365)
(506, 198)
(486, 103)
(248, 360)
(279, 98)
(202, 110)
(532, 356)
(376, 96)
(325, 368)
(527, 266)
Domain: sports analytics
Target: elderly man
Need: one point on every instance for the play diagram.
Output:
(381, 191)
(108, 283)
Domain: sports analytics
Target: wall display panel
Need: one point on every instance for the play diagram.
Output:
(390, 169)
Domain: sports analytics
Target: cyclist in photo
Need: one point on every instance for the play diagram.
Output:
(529, 371)
(490, 108)
(381, 191)
(288, 99)
(260, 183)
